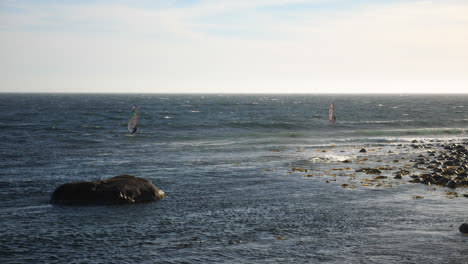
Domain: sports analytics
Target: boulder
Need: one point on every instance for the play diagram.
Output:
(463, 228)
(451, 184)
(123, 189)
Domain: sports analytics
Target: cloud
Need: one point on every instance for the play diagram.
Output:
(229, 46)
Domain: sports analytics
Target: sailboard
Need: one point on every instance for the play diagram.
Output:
(133, 120)
(331, 114)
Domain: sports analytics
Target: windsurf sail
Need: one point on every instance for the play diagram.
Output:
(331, 114)
(133, 120)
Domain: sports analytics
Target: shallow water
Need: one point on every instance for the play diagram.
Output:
(226, 164)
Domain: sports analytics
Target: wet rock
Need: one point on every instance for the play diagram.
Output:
(462, 182)
(449, 163)
(439, 180)
(459, 147)
(363, 150)
(369, 171)
(463, 228)
(451, 184)
(421, 162)
(123, 189)
(448, 172)
(380, 177)
(442, 181)
(428, 180)
(404, 172)
(416, 180)
(398, 176)
(299, 169)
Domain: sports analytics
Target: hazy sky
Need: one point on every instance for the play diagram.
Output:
(306, 46)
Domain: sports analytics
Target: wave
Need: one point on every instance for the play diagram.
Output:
(401, 135)
(412, 131)
(413, 122)
(276, 125)
(92, 127)
(28, 209)
(379, 121)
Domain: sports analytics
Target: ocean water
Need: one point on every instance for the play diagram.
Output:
(226, 163)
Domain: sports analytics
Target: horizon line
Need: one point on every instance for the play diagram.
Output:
(247, 93)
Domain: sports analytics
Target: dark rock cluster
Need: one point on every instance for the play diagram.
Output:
(448, 166)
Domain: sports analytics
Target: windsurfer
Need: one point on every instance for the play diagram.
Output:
(133, 121)
(331, 115)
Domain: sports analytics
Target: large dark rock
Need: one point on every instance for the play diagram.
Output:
(463, 228)
(451, 184)
(123, 189)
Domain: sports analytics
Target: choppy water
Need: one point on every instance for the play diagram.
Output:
(225, 163)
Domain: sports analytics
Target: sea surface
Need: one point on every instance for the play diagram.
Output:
(227, 164)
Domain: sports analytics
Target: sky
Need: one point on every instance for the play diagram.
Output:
(234, 46)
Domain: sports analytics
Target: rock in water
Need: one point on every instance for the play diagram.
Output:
(123, 189)
(464, 228)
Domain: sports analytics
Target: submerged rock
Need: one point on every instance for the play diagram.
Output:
(369, 171)
(123, 189)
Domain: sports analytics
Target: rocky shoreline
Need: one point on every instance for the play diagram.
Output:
(438, 163)
(447, 165)
(432, 162)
